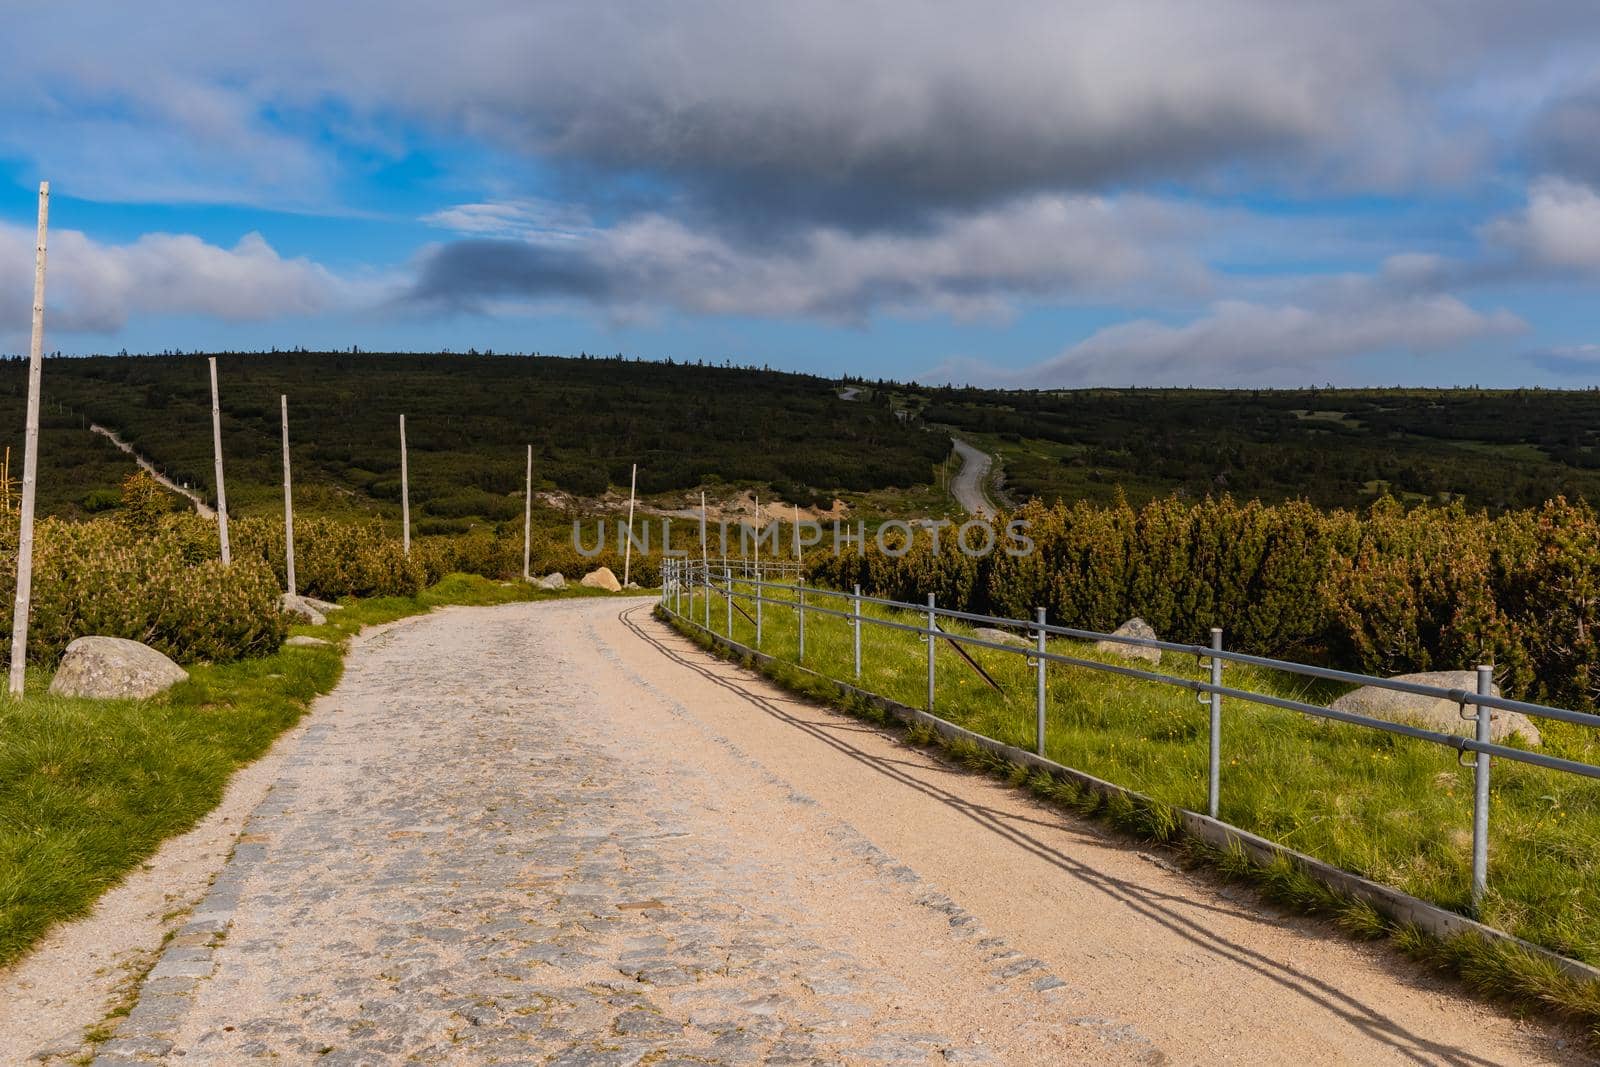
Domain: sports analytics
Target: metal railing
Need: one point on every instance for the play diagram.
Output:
(751, 583)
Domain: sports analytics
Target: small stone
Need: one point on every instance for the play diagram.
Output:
(301, 608)
(1132, 628)
(602, 579)
(114, 668)
(1437, 713)
(1001, 637)
(306, 641)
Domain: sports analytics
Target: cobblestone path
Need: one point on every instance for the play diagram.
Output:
(473, 858)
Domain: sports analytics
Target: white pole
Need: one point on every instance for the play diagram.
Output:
(30, 457)
(797, 532)
(705, 561)
(405, 491)
(288, 500)
(527, 520)
(627, 551)
(216, 448)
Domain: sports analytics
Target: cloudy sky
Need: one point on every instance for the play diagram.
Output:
(1241, 192)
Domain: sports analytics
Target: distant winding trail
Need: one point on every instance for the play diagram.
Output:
(200, 505)
(969, 485)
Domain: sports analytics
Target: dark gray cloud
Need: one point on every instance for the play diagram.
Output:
(1565, 139)
(462, 275)
(970, 264)
(757, 115)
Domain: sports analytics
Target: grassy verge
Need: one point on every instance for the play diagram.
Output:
(1390, 808)
(90, 789)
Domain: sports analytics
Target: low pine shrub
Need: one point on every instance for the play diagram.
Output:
(1387, 591)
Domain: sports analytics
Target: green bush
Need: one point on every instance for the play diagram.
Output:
(1387, 592)
(104, 578)
(334, 558)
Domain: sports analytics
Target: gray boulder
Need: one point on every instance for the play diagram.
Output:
(114, 668)
(602, 579)
(305, 641)
(1132, 628)
(301, 608)
(1002, 637)
(324, 606)
(553, 580)
(1436, 713)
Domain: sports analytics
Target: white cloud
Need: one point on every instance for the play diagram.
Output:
(1238, 342)
(96, 288)
(1558, 229)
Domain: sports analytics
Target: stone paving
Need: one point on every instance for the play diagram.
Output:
(466, 861)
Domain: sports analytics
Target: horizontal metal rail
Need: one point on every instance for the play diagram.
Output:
(702, 578)
(1203, 652)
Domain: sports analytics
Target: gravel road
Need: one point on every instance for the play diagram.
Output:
(558, 833)
(968, 486)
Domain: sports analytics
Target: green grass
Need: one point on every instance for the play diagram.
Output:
(90, 789)
(1394, 809)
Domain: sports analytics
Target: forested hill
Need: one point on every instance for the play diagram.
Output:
(1495, 449)
(469, 419)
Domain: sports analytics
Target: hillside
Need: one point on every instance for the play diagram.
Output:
(469, 421)
(786, 436)
(1335, 448)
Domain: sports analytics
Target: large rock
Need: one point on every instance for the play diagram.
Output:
(602, 579)
(1002, 637)
(1436, 713)
(553, 580)
(324, 606)
(1131, 628)
(301, 608)
(114, 668)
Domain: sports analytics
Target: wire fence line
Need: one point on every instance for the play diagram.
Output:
(749, 587)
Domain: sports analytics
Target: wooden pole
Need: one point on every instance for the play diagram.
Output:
(405, 491)
(627, 551)
(288, 501)
(30, 457)
(527, 520)
(216, 448)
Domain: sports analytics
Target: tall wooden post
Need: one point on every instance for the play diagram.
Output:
(30, 457)
(627, 551)
(288, 502)
(405, 491)
(527, 520)
(216, 448)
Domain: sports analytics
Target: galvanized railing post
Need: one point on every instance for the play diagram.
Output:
(1214, 789)
(705, 590)
(1480, 797)
(933, 624)
(855, 623)
(1038, 711)
(800, 614)
(727, 576)
(664, 587)
(758, 606)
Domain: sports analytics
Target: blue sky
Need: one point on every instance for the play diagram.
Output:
(1046, 194)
